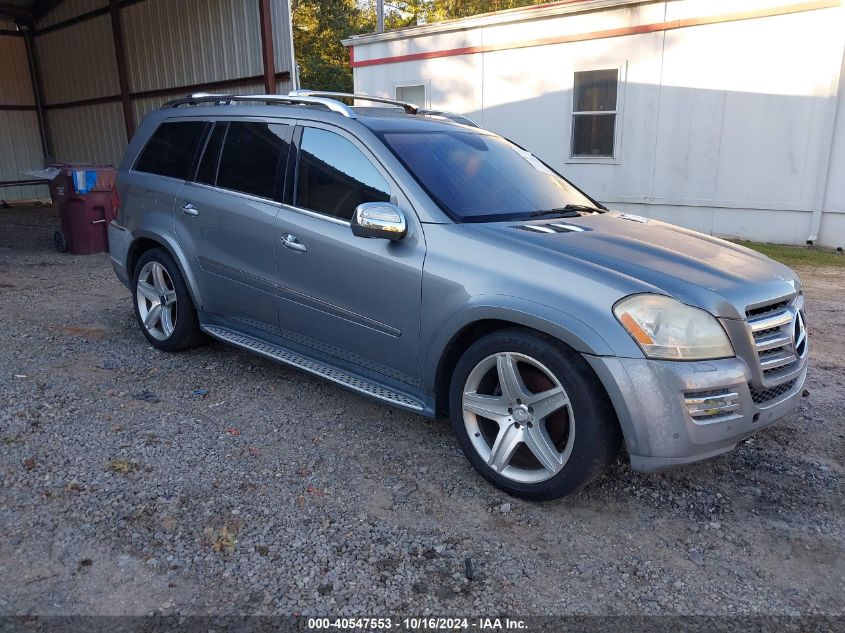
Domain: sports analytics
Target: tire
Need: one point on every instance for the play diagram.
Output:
(158, 285)
(550, 431)
(59, 241)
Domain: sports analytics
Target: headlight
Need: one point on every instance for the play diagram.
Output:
(666, 328)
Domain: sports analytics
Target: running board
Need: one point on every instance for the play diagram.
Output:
(339, 376)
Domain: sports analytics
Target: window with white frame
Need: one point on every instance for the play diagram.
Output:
(594, 109)
(412, 94)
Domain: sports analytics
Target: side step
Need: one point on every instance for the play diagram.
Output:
(339, 376)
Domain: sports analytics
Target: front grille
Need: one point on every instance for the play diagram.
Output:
(766, 309)
(773, 328)
(761, 397)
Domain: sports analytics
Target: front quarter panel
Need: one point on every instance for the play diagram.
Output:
(470, 277)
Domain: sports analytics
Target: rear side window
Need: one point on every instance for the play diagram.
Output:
(251, 155)
(334, 176)
(171, 150)
(207, 170)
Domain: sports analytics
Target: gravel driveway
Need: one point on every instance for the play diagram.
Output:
(215, 482)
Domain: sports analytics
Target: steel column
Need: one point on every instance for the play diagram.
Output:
(122, 76)
(267, 46)
(38, 98)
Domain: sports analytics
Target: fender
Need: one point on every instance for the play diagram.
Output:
(561, 325)
(172, 246)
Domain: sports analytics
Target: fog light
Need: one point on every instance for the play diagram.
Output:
(707, 405)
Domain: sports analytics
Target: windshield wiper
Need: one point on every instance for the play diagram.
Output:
(568, 211)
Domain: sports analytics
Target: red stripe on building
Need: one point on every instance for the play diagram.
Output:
(596, 35)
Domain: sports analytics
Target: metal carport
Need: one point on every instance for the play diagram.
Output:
(77, 76)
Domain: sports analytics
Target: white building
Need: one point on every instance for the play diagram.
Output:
(721, 115)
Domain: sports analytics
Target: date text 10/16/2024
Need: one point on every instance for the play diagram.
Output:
(417, 624)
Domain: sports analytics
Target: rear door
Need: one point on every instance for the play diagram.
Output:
(160, 171)
(225, 217)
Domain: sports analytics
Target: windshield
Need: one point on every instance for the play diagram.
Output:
(480, 177)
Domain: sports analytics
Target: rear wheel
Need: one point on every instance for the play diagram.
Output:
(163, 305)
(59, 241)
(531, 416)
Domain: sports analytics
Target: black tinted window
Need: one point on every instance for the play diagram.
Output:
(250, 159)
(334, 176)
(171, 150)
(475, 176)
(207, 170)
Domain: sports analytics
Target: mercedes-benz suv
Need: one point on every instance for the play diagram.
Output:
(413, 257)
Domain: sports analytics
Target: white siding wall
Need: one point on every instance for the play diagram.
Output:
(722, 126)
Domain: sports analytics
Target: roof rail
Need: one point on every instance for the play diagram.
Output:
(451, 116)
(328, 100)
(291, 99)
(410, 108)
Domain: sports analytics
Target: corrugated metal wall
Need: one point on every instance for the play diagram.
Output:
(169, 44)
(198, 41)
(78, 62)
(89, 134)
(20, 143)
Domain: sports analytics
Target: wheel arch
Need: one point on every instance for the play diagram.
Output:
(143, 242)
(469, 326)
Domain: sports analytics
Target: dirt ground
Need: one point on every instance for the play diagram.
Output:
(215, 482)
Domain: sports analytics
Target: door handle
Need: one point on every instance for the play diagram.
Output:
(293, 243)
(189, 209)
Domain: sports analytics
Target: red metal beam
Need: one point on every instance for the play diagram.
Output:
(16, 108)
(166, 92)
(267, 46)
(122, 75)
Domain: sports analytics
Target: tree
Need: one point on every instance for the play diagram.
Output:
(320, 25)
(318, 28)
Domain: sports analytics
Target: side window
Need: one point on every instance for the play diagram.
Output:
(334, 176)
(250, 159)
(171, 150)
(207, 170)
(594, 112)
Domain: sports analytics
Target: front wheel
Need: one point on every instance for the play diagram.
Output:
(163, 305)
(531, 416)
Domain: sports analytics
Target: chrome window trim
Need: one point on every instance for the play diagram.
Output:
(317, 214)
(240, 194)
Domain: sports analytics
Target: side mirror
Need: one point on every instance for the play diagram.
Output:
(380, 220)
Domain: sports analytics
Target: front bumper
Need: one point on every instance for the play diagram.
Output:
(649, 398)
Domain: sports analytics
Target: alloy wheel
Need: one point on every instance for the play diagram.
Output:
(156, 297)
(518, 417)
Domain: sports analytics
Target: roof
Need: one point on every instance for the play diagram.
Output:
(523, 14)
(27, 10)
(396, 119)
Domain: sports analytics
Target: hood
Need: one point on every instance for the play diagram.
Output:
(697, 269)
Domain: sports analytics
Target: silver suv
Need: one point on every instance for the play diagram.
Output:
(416, 258)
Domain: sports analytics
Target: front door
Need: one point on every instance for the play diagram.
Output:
(351, 297)
(225, 219)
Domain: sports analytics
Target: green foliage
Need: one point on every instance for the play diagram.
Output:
(797, 255)
(318, 28)
(320, 25)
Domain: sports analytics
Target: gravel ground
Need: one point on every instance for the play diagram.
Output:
(127, 491)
